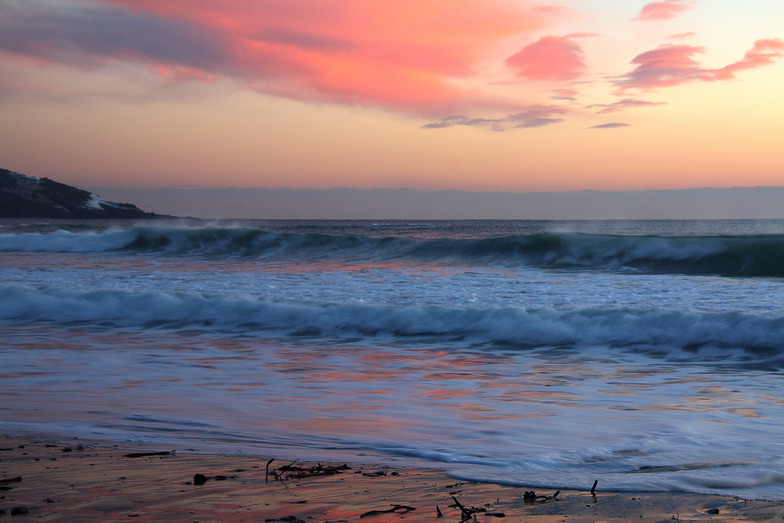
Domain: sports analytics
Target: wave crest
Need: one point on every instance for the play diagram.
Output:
(744, 256)
(759, 336)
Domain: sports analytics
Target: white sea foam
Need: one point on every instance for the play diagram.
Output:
(526, 328)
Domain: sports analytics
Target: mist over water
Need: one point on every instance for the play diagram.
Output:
(647, 355)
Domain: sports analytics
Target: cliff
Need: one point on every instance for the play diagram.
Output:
(23, 196)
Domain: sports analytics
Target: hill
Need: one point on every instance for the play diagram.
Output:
(23, 196)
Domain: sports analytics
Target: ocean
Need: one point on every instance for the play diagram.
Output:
(647, 355)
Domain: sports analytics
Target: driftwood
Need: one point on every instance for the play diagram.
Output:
(5, 483)
(284, 469)
(201, 479)
(467, 512)
(266, 476)
(399, 509)
(146, 454)
(309, 472)
(17, 479)
(532, 497)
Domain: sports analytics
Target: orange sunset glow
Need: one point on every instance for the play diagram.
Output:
(494, 95)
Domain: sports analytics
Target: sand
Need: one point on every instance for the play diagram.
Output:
(75, 481)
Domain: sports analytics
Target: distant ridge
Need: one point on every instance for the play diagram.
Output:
(744, 203)
(23, 196)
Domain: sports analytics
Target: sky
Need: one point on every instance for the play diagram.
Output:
(467, 95)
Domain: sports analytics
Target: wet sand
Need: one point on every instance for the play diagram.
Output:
(75, 481)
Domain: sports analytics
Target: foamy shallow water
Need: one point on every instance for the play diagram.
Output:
(497, 369)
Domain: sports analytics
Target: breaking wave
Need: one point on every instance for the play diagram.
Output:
(742, 256)
(758, 336)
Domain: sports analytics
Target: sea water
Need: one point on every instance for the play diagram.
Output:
(647, 355)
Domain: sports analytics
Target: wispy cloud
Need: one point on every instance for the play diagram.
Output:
(465, 121)
(612, 125)
(538, 116)
(663, 10)
(683, 36)
(671, 65)
(565, 93)
(532, 117)
(622, 105)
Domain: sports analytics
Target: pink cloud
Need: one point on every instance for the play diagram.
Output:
(402, 55)
(683, 36)
(556, 58)
(663, 10)
(665, 66)
(764, 52)
(671, 65)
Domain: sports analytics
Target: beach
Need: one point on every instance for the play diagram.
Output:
(79, 481)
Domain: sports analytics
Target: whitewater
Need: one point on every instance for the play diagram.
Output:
(648, 355)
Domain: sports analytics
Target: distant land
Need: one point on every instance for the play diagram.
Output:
(26, 196)
(412, 204)
(23, 196)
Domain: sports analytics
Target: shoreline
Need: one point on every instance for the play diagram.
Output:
(77, 481)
